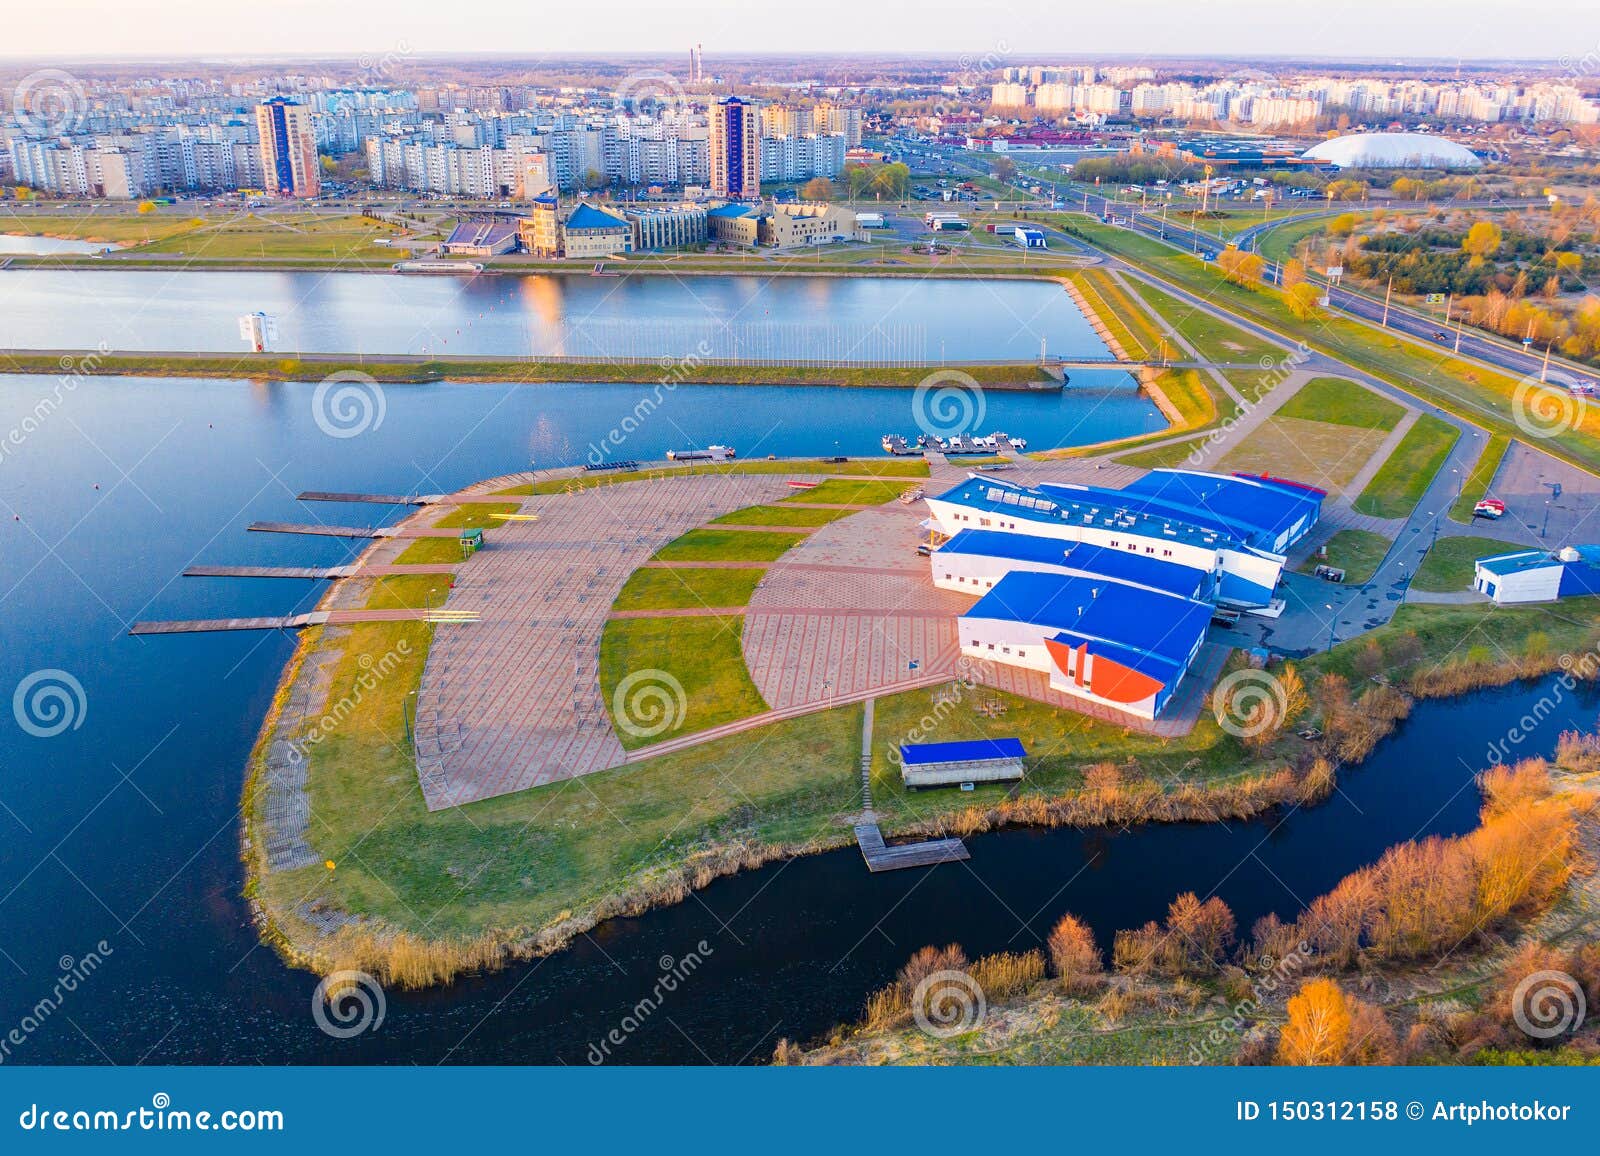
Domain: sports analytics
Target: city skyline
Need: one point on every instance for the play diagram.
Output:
(1144, 28)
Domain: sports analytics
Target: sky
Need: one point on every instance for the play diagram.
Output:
(1016, 30)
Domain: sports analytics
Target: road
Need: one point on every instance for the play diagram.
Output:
(1504, 355)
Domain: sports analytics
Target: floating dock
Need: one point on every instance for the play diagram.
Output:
(211, 625)
(312, 572)
(880, 856)
(371, 499)
(317, 529)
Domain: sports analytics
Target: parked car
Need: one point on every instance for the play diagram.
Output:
(1490, 508)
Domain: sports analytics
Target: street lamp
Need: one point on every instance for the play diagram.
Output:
(1333, 623)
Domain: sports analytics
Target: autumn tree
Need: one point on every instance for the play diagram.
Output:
(1294, 273)
(1482, 240)
(1326, 1026)
(817, 189)
(1240, 267)
(1074, 954)
(1304, 300)
(1318, 1030)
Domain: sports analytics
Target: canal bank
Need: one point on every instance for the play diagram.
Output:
(400, 369)
(797, 944)
(1210, 778)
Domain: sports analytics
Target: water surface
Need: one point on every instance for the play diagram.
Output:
(756, 318)
(124, 830)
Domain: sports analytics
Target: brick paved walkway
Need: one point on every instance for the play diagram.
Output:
(513, 700)
(836, 615)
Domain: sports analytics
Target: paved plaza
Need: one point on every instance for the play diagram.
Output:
(513, 700)
(850, 610)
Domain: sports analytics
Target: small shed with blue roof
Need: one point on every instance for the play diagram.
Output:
(1539, 575)
(969, 761)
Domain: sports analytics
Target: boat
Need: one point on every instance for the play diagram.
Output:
(447, 267)
(709, 454)
(895, 444)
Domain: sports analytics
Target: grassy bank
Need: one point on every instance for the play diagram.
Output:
(399, 369)
(1466, 388)
(1448, 564)
(875, 467)
(1402, 480)
(1476, 487)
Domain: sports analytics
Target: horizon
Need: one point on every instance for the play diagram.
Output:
(1144, 29)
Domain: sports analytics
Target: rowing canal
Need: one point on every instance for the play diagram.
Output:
(122, 828)
(765, 318)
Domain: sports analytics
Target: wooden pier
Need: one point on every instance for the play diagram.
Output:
(211, 625)
(372, 499)
(312, 572)
(880, 856)
(317, 529)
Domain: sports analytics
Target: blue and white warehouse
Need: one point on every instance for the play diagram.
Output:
(1115, 643)
(1539, 575)
(1234, 527)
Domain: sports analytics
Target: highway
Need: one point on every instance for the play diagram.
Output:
(1432, 329)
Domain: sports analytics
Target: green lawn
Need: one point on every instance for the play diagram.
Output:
(1213, 338)
(476, 516)
(430, 551)
(1342, 402)
(1172, 454)
(340, 237)
(97, 224)
(1061, 745)
(708, 545)
(409, 591)
(650, 589)
(1401, 481)
(701, 657)
(1448, 564)
(883, 468)
(849, 491)
(779, 516)
(1476, 487)
(1356, 552)
(521, 861)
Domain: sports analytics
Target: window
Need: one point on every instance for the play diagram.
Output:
(1149, 549)
(1005, 650)
(983, 521)
(1166, 553)
(991, 646)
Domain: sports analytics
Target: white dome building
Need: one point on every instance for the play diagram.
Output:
(1393, 150)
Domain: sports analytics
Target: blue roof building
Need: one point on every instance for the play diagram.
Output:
(969, 761)
(1122, 645)
(1234, 527)
(974, 560)
(1539, 575)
